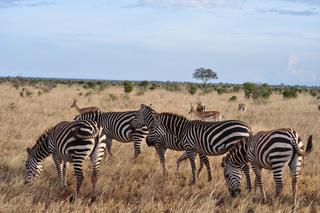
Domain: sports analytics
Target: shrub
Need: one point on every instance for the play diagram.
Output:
(142, 87)
(313, 93)
(127, 87)
(261, 93)
(39, 93)
(248, 89)
(28, 93)
(290, 93)
(153, 87)
(192, 89)
(233, 98)
(221, 90)
(172, 87)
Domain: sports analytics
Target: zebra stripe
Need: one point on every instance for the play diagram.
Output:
(271, 150)
(205, 138)
(117, 125)
(68, 142)
(162, 141)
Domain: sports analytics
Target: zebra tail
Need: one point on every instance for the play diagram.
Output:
(308, 149)
(309, 145)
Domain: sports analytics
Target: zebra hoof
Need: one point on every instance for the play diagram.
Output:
(93, 199)
(72, 199)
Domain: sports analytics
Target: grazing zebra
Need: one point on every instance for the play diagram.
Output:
(163, 140)
(205, 138)
(271, 150)
(68, 142)
(117, 125)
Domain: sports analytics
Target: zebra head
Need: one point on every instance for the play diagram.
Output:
(232, 175)
(143, 117)
(156, 131)
(33, 166)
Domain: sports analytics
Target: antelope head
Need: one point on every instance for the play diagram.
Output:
(199, 108)
(74, 103)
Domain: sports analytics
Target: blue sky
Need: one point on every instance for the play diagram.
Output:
(272, 41)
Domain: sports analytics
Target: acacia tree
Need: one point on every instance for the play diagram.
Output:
(205, 75)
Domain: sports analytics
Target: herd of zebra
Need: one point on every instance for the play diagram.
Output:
(90, 135)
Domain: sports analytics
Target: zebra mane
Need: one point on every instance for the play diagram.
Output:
(41, 139)
(174, 116)
(87, 115)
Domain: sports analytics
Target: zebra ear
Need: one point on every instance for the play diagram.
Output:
(156, 115)
(28, 151)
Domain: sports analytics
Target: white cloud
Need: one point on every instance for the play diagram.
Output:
(294, 68)
(187, 3)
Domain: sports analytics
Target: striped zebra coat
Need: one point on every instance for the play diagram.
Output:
(68, 142)
(271, 150)
(205, 138)
(163, 140)
(117, 125)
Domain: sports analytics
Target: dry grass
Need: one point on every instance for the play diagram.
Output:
(126, 186)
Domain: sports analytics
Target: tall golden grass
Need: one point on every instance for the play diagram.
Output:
(138, 186)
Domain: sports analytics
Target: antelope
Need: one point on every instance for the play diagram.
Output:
(215, 115)
(242, 107)
(200, 108)
(84, 110)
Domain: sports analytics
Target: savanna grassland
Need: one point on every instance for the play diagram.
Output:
(125, 185)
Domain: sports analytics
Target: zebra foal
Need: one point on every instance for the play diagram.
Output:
(271, 150)
(68, 142)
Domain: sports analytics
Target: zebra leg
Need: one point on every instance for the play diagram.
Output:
(161, 153)
(58, 162)
(246, 170)
(77, 166)
(257, 171)
(64, 173)
(277, 175)
(192, 155)
(136, 146)
(181, 158)
(96, 158)
(204, 160)
(295, 166)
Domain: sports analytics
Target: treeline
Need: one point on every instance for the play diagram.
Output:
(257, 92)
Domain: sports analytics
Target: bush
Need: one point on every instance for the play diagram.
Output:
(261, 93)
(248, 89)
(172, 87)
(233, 98)
(142, 87)
(236, 88)
(153, 87)
(221, 90)
(192, 89)
(313, 93)
(290, 93)
(128, 87)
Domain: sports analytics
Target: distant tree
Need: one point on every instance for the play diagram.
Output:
(205, 75)
(142, 86)
(128, 87)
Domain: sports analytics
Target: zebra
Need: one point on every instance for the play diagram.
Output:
(117, 125)
(271, 150)
(163, 140)
(71, 142)
(205, 138)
